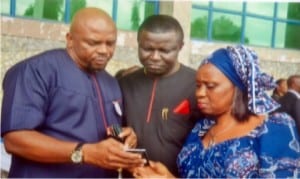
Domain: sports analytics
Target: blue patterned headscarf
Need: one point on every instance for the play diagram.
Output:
(240, 65)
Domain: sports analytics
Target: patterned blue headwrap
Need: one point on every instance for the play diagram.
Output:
(240, 65)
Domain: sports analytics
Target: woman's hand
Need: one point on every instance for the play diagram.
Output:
(154, 170)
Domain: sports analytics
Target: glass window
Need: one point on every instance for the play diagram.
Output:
(292, 39)
(106, 5)
(78, 4)
(258, 31)
(199, 24)
(287, 36)
(131, 17)
(150, 8)
(5, 6)
(40, 9)
(226, 27)
(234, 6)
(289, 11)
(24, 8)
(280, 35)
(293, 11)
(282, 10)
(75, 5)
(200, 3)
(259, 8)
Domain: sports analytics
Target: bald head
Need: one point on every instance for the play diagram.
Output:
(88, 15)
(92, 38)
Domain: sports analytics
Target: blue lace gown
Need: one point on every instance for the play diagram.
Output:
(271, 150)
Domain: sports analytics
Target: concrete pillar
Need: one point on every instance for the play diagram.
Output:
(181, 10)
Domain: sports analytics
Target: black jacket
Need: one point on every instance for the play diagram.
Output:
(290, 104)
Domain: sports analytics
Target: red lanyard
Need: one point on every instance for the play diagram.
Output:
(99, 95)
(151, 101)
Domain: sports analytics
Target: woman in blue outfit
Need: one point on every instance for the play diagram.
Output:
(239, 137)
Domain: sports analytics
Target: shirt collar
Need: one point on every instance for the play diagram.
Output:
(294, 92)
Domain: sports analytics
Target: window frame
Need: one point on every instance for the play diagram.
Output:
(244, 14)
(67, 10)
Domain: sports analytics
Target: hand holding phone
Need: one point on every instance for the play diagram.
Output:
(141, 151)
(115, 130)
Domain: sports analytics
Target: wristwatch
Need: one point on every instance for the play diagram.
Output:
(77, 155)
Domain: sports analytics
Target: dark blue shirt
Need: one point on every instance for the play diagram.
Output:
(50, 94)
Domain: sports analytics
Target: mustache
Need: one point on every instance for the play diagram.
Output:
(153, 64)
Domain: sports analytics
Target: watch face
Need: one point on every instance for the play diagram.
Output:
(76, 157)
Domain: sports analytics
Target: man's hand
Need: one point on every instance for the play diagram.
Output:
(130, 137)
(111, 154)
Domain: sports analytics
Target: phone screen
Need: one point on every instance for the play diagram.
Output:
(143, 152)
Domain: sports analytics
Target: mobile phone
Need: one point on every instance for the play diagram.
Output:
(115, 130)
(141, 151)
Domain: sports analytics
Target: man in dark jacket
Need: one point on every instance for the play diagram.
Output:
(290, 102)
(160, 103)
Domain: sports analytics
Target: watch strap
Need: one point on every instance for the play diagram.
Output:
(77, 155)
(78, 146)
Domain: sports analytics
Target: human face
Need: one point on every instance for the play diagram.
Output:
(297, 85)
(282, 87)
(214, 91)
(92, 44)
(158, 52)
